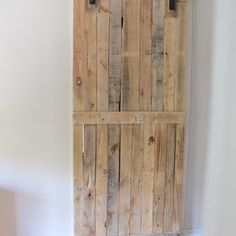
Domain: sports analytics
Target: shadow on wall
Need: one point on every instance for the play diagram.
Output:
(7, 213)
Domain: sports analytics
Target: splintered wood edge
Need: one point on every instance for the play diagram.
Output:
(81, 118)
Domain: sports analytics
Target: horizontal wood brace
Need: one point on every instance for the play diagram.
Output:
(128, 118)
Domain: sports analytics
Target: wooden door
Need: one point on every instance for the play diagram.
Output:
(129, 103)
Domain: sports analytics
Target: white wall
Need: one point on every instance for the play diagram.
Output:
(200, 40)
(211, 187)
(35, 118)
(220, 207)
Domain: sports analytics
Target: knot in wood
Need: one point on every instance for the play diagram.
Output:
(151, 140)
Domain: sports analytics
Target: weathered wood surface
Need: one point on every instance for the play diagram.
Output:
(129, 118)
(129, 112)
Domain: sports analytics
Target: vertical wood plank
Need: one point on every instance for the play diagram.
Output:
(131, 56)
(159, 184)
(178, 180)
(90, 104)
(136, 180)
(158, 52)
(102, 105)
(129, 100)
(125, 174)
(101, 180)
(79, 63)
(145, 105)
(115, 55)
(114, 105)
(181, 56)
(148, 178)
(103, 55)
(89, 181)
(113, 180)
(179, 106)
(169, 105)
(78, 180)
(79, 74)
(169, 63)
(169, 178)
(146, 56)
(158, 24)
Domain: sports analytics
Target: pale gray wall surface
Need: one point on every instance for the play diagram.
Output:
(220, 200)
(201, 54)
(35, 118)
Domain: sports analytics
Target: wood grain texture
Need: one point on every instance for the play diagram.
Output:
(78, 179)
(78, 91)
(129, 111)
(102, 105)
(158, 39)
(148, 178)
(136, 179)
(180, 87)
(146, 56)
(169, 105)
(90, 104)
(115, 67)
(89, 181)
(125, 177)
(178, 178)
(113, 180)
(159, 180)
(128, 117)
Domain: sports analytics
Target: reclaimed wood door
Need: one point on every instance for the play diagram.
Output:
(129, 103)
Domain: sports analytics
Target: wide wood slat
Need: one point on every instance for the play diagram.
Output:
(129, 117)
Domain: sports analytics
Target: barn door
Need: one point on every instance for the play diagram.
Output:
(129, 102)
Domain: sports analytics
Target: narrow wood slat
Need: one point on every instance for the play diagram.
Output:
(113, 180)
(78, 179)
(78, 91)
(169, 178)
(158, 41)
(125, 176)
(169, 63)
(180, 94)
(159, 184)
(158, 19)
(130, 101)
(131, 55)
(80, 54)
(136, 179)
(90, 104)
(181, 56)
(90, 81)
(114, 105)
(146, 56)
(103, 56)
(129, 117)
(101, 179)
(169, 105)
(89, 181)
(148, 178)
(178, 179)
(102, 105)
(115, 55)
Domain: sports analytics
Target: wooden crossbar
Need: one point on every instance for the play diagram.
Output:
(129, 117)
